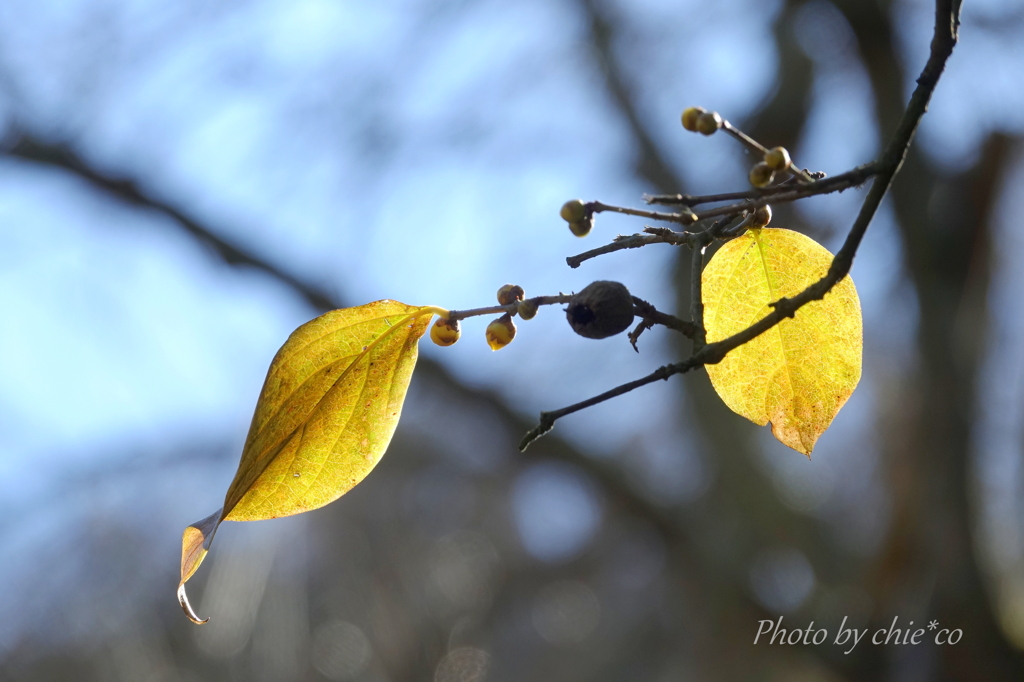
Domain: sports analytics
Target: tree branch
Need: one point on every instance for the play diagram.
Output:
(22, 145)
(633, 241)
(754, 200)
(696, 302)
(662, 235)
(655, 316)
(684, 217)
(836, 183)
(691, 201)
(760, 150)
(947, 21)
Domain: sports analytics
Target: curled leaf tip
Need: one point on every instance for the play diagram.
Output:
(195, 542)
(187, 608)
(327, 411)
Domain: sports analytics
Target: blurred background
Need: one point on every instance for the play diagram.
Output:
(183, 183)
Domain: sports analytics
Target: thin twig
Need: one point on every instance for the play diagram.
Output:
(511, 308)
(684, 217)
(836, 183)
(661, 235)
(947, 22)
(728, 231)
(655, 316)
(696, 303)
(781, 193)
(747, 141)
(696, 200)
(633, 241)
(634, 335)
(760, 150)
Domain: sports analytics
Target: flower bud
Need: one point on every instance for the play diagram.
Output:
(573, 211)
(761, 174)
(762, 216)
(500, 332)
(445, 332)
(527, 309)
(510, 293)
(690, 117)
(582, 228)
(708, 123)
(600, 310)
(778, 158)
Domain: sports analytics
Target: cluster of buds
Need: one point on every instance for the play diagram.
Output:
(700, 120)
(775, 160)
(501, 331)
(579, 216)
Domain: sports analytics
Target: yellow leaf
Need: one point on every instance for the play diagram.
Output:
(798, 374)
(327, 411)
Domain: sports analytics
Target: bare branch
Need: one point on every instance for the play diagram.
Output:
(947, 21)
(760, 150)
(634, 335)
(655, 316)
(684, 217)
(696, 302)
(633, 241)
(24, 146)
(836, 183)
(511, 308)
(691, 201)
(663, 235)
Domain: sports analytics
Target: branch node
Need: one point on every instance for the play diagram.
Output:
(547, 422)
(652, 316)
(634, 335)
(785, 307)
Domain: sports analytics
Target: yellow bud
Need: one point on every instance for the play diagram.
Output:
(510, 293)
(573, 211)
(762, 216)
(582, 228)
(690, 117)
(778, 158)
(761, 175)
(708, 123)
(527, 309)
(445, 332)
(501, 332)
